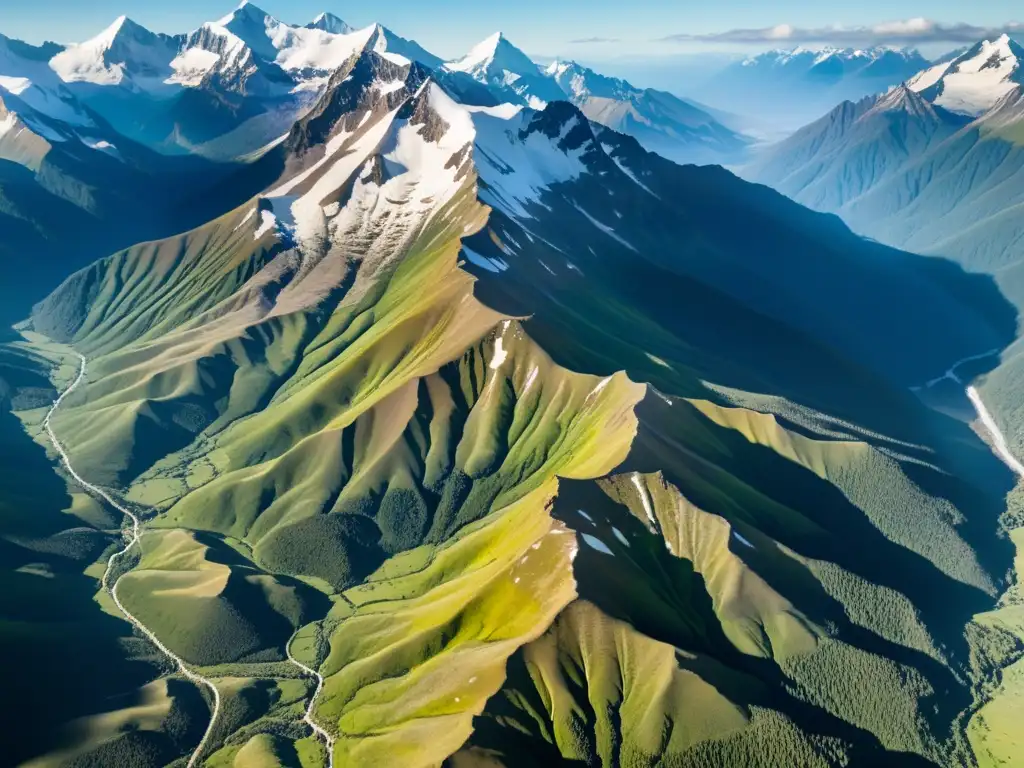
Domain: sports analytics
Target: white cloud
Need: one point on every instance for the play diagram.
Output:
(917, 30)
(780, 32)
(589, 40)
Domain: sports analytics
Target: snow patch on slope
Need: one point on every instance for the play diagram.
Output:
(742, 539)
(7, 124)
(597, 544)
(928, 78)
(485, 262)
(517, 171)
(268, 221)
(101, 145)
(606, 229)
(191, 66)
(500, 353)
(609, 149)
(39, 88)
(645, 499)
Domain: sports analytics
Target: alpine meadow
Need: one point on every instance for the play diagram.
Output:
(368, 406)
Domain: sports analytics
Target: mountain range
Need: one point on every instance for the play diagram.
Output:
(121, 103)
(461, 428)
(257, 74)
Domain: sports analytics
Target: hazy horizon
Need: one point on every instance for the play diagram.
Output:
(570, 29)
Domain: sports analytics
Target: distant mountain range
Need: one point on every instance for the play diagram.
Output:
(231, 86)
(792, 87)
(662, 122)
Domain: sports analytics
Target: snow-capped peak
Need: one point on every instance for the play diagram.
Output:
(110, 33)
(975, 81)
(480, 54)
(902, 99)
(400, 50)
(579, 82)
(256, 28)
(244, 10)
(122, 28)
(492, 56)
(123, 51)
(557, 68)
(328, 22)
(572, 78)
(378, 43)
(503, 67)
(486, 47)
(294, 49)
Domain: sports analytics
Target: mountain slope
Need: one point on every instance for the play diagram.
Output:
(548, 460)
(663, 123)
(843, 155)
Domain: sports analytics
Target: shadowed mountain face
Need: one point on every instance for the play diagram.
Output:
(934, 166)
(539, 447)
(70, 192)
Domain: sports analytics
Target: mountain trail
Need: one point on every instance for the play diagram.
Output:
(136, 534)
(308, 716)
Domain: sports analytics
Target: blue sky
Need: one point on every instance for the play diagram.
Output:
(541, 27)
